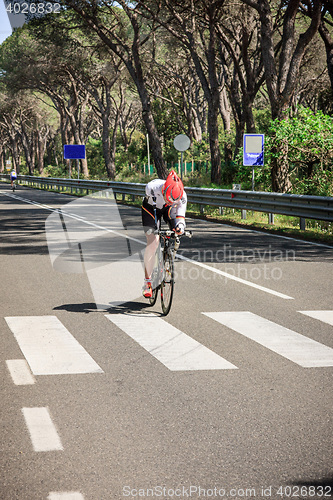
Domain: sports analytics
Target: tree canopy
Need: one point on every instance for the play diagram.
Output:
(110, 73)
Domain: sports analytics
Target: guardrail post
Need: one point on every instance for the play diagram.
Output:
(270, 218)
(243, 214)
(221, 210)
(302, 223)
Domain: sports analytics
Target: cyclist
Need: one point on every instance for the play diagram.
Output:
(167, 199)
(13, 177)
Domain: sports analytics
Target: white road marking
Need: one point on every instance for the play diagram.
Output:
(289, 344)
(71, 495)
(75, 217)
(49, 348)
(43, 434)
(176, 350)
(325, 316)
(20, 372)
(261, 233)
(236, 278)
(193, 262)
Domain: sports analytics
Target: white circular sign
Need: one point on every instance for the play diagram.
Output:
(182, 142)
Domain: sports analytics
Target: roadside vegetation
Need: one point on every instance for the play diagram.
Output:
(125, 78)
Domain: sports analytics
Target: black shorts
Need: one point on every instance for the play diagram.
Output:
(148, 216)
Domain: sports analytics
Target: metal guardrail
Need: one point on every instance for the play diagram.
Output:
(302, 206)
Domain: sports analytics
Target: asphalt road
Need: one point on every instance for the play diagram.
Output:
(229, 396)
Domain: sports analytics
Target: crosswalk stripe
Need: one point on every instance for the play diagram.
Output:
(176, 350)
(289, 344)
(325, 316)
(43, 434)
(20, 372)
(71, 495)
(49, 348)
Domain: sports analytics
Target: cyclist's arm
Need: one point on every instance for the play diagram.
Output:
(154, 192)
(178, 213)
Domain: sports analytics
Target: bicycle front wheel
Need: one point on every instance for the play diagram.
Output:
(167, 283)
(153, 298)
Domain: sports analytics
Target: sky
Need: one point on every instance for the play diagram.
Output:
(5, 28)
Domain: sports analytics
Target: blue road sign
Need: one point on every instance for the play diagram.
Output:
(74, 151)
(253, 150)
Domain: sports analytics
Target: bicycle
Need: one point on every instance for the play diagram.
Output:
(13, 186)
(163, 273)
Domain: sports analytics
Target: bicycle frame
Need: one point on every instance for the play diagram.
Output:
(165, 268)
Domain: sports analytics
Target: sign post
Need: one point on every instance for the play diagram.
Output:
(75, 152)
(253, 151)
(181, 142)
(148, 154)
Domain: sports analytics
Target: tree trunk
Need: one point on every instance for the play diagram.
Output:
(114, 144)
(237, 108)
(154, 139)
(281, 85)
(65, 139)
(41, 143)
(137, 74)
(225, 110)
(2, 162)
(78, 140)
(213, 132)
(280, 168)
(213, 108)
(240, 129)
(325, 35)
(84, 167)
(196, 126)
(15, 154)
(33, 150)
(27, 151)
(248, 114)
(155, 144)
(107, 147)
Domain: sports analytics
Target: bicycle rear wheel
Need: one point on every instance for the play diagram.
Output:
(167, 283)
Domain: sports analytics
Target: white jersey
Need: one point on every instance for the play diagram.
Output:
(155, 197)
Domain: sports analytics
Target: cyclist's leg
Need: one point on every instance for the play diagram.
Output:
(150, 251)
(148, 222)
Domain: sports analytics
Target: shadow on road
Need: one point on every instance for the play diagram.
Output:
(322, 487)
(90, 307)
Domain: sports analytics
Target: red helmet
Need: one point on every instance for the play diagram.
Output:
(173, 188)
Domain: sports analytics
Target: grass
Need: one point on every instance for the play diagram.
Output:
(319, 231)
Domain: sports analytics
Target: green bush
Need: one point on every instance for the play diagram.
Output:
(95, 159)
(310, 154)
(310, 150)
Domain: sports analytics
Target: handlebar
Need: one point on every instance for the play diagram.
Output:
(172, 234)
